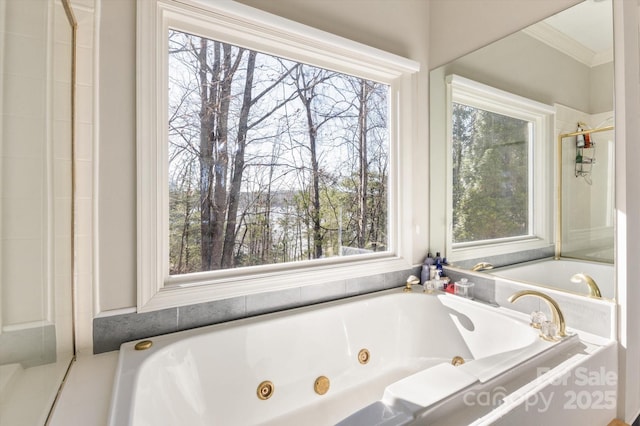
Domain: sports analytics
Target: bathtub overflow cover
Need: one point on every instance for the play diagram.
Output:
(457, 360)
(141, 346)
(265, 390)
(363, 356)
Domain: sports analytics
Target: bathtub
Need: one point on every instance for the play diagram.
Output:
(557, 274)
(391, 348)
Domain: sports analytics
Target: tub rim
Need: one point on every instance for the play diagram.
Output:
(130, 361)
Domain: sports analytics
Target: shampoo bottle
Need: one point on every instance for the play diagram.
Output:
(425, 273)
(580, 139)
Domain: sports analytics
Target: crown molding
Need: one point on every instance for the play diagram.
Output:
(567, 45)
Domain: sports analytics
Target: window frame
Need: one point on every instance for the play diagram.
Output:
(541, 155)
(247, 27)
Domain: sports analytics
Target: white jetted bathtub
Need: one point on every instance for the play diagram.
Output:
(318, 365)
(557, 274)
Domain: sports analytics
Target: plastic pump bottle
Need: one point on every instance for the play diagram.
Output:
(425, 273)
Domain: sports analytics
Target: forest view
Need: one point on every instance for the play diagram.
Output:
(490, 175)
(271, 160)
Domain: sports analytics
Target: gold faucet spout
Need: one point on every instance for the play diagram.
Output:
(482, 266)
(594, 290)
(556, 313)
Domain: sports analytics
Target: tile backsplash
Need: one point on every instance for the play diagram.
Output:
(109, 332)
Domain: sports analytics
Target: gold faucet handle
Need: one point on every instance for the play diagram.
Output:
(556, 313)
(482, 266)
(411, 281)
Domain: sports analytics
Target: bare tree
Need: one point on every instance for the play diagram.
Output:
(215, 94)
(308, 82)
(363, 163)
(267, 178)
(248, 101)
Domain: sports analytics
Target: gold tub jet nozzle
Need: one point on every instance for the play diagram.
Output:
(594, 290)
(482, 266)
(556, 313)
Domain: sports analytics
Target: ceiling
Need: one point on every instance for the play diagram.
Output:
(584, 31)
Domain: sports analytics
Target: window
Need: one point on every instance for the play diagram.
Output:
(267, 153)
(490, 175)
(271, 160)
(500, 147)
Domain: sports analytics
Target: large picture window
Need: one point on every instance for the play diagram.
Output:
(271, 160)
(269, 154)
(500, 159)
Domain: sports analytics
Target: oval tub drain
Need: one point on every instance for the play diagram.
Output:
(457, 360)
(265, 390)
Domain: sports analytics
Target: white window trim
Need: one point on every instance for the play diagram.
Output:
(469, 92)
(241, 25)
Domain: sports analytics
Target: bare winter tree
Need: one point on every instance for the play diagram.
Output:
(363, 163)
(225, 74)
(265, 174)
(314, 89)
(248, 101)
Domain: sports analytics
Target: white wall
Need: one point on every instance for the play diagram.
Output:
(462, 26)
(376, 24)
(24, 165)
(522, 65)
(117, 156)
(601, 88)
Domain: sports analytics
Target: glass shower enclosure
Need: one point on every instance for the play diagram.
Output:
(37, 42)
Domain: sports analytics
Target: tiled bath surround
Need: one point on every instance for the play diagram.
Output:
(109, 332)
